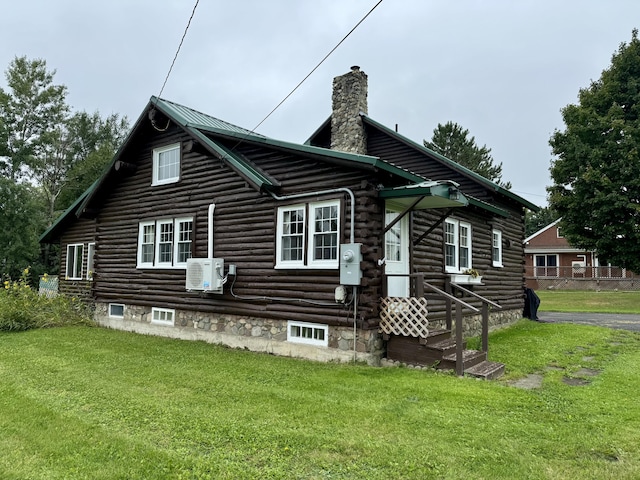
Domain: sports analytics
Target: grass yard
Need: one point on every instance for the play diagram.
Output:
(91, 403)
(589, 301)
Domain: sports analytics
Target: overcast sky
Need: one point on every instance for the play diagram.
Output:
(502, 69)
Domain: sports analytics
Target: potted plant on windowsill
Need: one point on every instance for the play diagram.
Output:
(470, 276)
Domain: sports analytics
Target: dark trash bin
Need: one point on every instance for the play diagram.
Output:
(531, 304)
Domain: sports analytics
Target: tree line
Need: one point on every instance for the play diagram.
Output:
(49, 155)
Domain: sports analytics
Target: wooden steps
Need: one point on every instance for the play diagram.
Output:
(439, 350)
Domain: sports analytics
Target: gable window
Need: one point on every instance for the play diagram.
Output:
(91, 251)
(307, 235)
(496, 249)
(162, 316)
(165, 243)
(166, 164)
(75, 253)
(457, 246)
(309, 333)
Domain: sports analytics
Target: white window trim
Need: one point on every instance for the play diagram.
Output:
(156, 159)
(280, 263)
(166, 323)
(173, 264)
(176, 239)
(157, 261)
(307, 237)
(312, 263)
(141, 226)
(116, 305)
(496, 263)
(307, 341)
(91, 251)
(69, 274)
(546, 268)
(457, 268)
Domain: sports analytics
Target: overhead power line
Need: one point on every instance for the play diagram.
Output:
(317, 66)
(179, 47)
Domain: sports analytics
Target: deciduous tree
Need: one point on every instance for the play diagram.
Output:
(32, 107)
(596, 171)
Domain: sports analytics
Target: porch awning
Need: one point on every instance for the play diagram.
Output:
(432, 194)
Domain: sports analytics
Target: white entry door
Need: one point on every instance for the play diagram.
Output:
(396, 247)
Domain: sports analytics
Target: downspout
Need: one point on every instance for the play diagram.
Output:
(212, 208)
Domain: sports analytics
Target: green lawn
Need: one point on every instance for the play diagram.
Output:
(82, 402)
(589, 301)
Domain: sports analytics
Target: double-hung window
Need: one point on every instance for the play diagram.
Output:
(75, 253)
(166, 164)
(165, 243)
(457, 246)
(496, 249)
(308, 235)
(291, 222)
(323, 233)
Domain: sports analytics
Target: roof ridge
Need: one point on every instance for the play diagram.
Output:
(191, 116)
(454, 165)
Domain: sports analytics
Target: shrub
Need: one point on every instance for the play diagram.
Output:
(22, 308)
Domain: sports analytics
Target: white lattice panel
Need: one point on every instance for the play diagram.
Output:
(404, 316)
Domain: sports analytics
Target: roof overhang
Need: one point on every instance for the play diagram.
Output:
(425, 195)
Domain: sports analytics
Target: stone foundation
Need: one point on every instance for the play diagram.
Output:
(251, 333)
(472, 324)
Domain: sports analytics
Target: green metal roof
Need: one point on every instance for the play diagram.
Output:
(435, 194)
(454, 165)
(185, 116)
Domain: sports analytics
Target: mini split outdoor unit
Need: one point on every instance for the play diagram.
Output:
(205, 274)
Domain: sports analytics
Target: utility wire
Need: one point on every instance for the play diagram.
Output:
(179, 47)
(316, 67)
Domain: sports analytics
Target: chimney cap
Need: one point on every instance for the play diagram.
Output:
(355, 68)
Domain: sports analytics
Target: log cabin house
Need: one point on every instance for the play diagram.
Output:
(358, 244)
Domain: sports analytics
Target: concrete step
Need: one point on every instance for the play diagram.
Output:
(486, 370)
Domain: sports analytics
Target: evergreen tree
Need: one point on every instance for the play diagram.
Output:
(453, 142)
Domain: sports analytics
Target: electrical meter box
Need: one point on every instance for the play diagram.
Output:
(350, 258)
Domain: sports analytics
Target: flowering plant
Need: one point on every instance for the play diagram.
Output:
(472, 271)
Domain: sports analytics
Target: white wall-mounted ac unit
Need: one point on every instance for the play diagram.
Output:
(578, 267)
(205, 274)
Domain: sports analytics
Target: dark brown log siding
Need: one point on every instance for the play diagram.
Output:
(245, 233)
(504, 285)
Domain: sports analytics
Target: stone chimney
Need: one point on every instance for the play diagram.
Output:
(349, 99)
